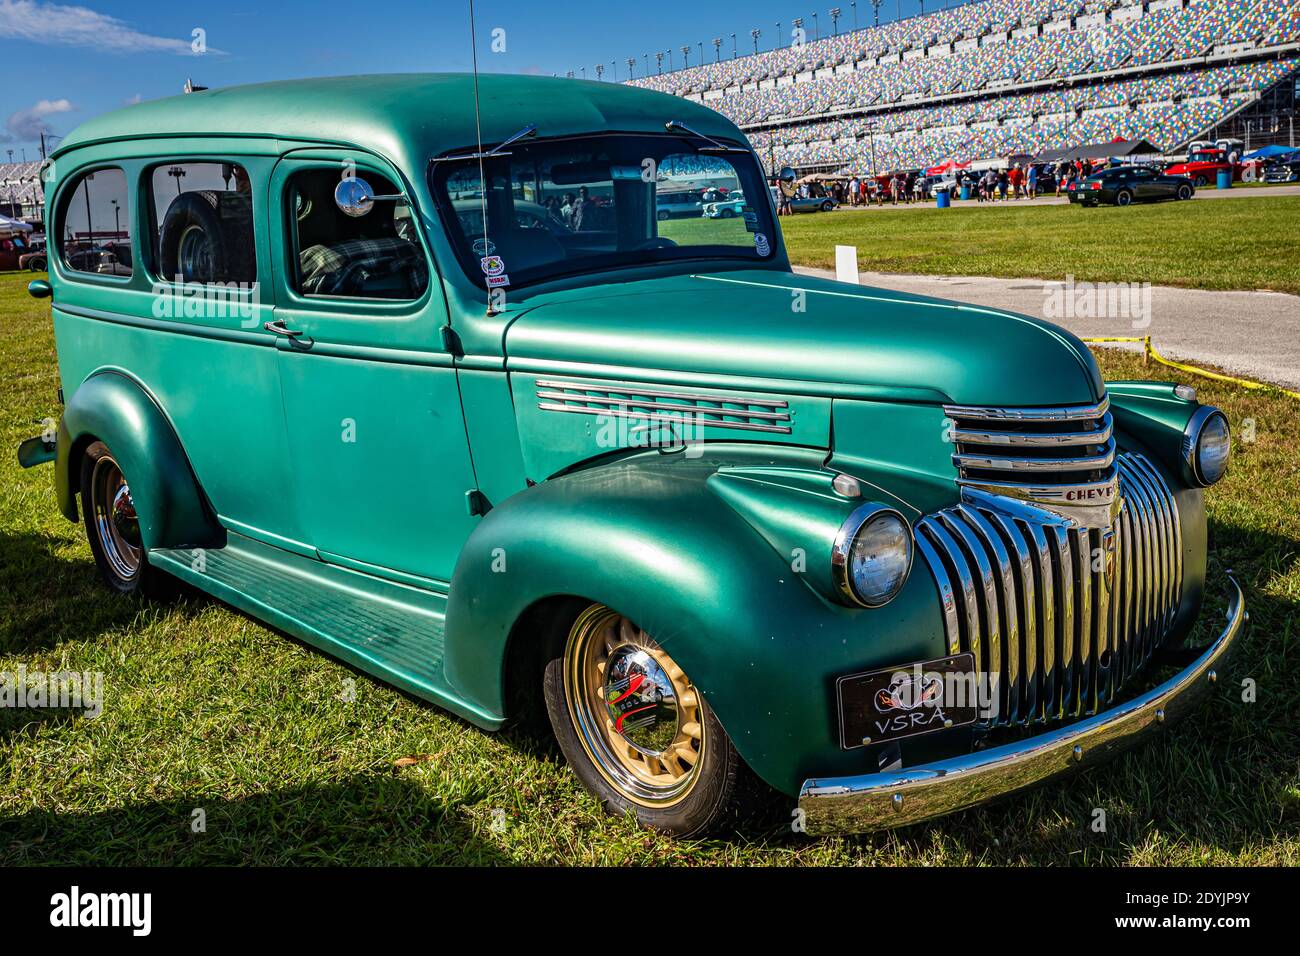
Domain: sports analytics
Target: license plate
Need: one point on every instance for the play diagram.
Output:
(907, 700)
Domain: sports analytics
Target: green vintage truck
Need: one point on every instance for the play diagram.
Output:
(435, 390)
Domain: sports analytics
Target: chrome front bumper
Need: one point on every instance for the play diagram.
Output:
(877, 801)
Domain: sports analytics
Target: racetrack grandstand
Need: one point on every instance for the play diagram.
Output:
(998, 78)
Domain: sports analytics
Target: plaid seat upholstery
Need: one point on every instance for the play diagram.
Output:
(319, 263)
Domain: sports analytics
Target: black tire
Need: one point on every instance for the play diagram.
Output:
(206, 236)
(1200, 181)
(728, 214)
(1185, 191)
(718, 779)
(661, 215)
(1123, 198)
(37, 265)
(827, 206)
(120, 557)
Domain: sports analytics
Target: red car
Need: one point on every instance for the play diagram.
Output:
(1203, 166)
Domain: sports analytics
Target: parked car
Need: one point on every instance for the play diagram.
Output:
(1287, 171)
(1203, 166)
(34, 259)
(813, 204)
(730, 207)
(891, 557)
(1125, 185)
(677, 205)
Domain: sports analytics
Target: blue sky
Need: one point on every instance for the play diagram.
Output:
(69, 61)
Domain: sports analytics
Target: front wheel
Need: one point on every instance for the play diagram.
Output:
(633, 727)
(1184, 191)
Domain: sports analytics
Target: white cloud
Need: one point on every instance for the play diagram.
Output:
(27, 125)
(56, 23)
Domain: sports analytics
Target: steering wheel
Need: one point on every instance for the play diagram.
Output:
(656, 242)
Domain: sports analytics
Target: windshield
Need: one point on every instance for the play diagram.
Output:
(566, 206)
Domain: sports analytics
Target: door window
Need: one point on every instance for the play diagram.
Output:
(374, 256)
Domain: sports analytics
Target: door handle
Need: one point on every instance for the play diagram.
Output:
(278, 327)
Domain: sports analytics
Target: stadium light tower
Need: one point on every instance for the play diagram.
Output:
(631, 68)
(686, 55)
(659, 60)
(600, 71)
(700, 44)
(853, 5)
(835, 21)
(875, 5)
(817, 35)
(754, 35)
(734, 54)
(717, 49)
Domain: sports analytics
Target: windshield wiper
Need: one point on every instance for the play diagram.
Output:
(498, 150)
(715, 148)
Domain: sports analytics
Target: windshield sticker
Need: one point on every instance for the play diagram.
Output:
(484, 247)
(761, 245)
(498, 280)
(492, 265)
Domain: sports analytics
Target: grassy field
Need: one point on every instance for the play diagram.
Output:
(208, 710)
(1239, 243)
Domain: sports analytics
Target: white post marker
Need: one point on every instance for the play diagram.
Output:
(846, 264)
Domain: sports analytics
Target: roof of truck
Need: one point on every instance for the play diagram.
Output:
(401, 115)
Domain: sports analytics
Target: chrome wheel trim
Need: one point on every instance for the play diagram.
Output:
(194, 255)
(653, 756)
(116, 521)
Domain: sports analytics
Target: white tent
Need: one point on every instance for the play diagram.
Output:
(9, 226)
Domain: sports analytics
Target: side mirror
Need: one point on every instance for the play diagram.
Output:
(39, 289)
(356, 197)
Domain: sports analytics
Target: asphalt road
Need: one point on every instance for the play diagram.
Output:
(1252, 334)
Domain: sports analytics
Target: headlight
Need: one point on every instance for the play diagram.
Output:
(872, 555)
(1207, 445)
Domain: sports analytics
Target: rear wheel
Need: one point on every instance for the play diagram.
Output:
(827, 206)
(1200, 181)
(636, 731)
(661, 215)
(113, 527)
(1123, 198)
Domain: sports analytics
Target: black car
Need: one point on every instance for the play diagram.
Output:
(1287, 172)
(1124, 185)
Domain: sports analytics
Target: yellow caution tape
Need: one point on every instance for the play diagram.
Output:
(1149, 352)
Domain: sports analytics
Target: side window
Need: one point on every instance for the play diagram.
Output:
(203, 223)
(95, 228)
(373, 256)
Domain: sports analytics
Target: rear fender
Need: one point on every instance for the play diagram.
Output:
(115, 409)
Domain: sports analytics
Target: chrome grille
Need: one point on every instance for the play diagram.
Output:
(1012, 447)
(659, 407)
(1061, 613)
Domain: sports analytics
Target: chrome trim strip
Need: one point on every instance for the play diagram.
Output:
(665, 419)
(1069, 413)
(970, 436)
(661, 406)
(894, 798)
(618, 389)
(1050, 465)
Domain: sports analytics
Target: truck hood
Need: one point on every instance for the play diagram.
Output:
(768, 329)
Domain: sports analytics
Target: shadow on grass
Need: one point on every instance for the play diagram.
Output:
(367, 821)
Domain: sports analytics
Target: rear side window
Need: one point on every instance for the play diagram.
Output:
(95, 231)
(203, 217)
(373, 256)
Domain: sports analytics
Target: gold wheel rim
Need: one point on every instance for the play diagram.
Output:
(636, 713)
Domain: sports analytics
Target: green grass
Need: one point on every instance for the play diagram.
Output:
(1250, 242)
(207, 709)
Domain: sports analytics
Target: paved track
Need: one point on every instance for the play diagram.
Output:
(1253, 334)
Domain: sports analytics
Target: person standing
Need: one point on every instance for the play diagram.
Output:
(854, 185)
(1015, 177)
(1031, 182)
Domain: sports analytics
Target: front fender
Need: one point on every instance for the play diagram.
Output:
(648, 538)
(115, 409)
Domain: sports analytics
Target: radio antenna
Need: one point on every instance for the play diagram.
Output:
(478, 132)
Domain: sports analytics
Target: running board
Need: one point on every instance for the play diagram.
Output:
(389, 630)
